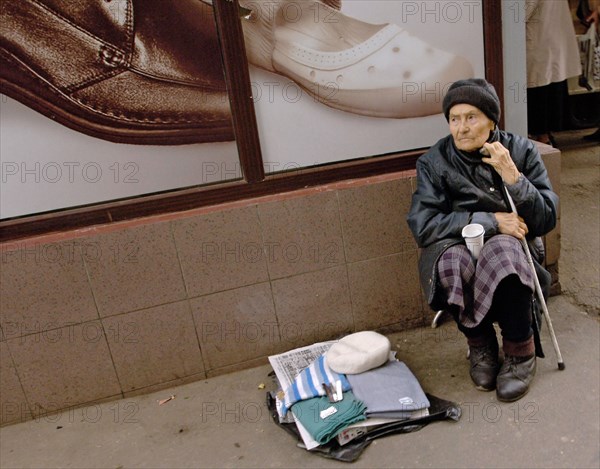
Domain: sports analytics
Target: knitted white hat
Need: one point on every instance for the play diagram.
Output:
(358, 352)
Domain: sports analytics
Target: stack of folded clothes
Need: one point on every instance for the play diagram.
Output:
(324, 419)
(389, 391)
(347, 388)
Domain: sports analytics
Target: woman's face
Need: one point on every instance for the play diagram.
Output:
(469, 127)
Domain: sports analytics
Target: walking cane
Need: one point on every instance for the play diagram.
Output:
(538, 288)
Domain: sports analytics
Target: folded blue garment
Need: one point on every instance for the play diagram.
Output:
(309, 383)
(391, 388)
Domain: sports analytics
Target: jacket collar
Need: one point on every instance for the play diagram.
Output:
(474, 156)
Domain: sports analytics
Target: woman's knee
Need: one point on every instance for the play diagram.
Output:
(457, 255)
(502, 247)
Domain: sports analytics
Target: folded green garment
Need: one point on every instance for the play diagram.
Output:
(322, 422)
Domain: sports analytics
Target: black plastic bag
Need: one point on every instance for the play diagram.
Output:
(439, 410)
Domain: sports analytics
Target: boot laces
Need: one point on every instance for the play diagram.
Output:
(484, 355)
(511, 363)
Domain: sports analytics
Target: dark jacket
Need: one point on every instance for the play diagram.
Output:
(455, 188)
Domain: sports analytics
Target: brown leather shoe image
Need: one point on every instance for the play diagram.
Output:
(128, 71)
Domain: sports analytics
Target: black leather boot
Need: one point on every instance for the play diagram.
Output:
(484, 365)
(514, 377)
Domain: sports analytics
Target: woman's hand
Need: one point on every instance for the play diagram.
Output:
(511, 224)
(499, 158)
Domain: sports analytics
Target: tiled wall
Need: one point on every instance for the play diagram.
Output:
(129, 308)
(552, 159)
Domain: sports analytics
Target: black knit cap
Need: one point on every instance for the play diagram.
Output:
(476, 92)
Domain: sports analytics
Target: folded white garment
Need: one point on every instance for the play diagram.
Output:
(358, 352)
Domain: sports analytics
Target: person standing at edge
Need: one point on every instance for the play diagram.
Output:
(552, 57)
(457, 185)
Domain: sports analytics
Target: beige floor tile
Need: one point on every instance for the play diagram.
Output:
(45, 287)
(136, 268)
(236, 325)
(302, 234)
(313, 307)
(374, 219)
(221, 251)
(65, 367)
(13, 405)
(154, 345)
(385, 291)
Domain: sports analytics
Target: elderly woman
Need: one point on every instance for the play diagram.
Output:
(458, 185)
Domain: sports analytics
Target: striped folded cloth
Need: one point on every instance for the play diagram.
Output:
(309, 383)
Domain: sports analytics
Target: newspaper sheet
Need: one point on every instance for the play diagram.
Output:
(287, 366)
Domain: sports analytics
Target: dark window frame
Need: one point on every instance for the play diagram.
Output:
(254, 183)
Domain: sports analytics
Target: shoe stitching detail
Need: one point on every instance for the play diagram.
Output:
(120, 116)
(206, 85)
(94, 107)
(59, 91)
(119, 67)
(93, 80)
(130, 32)
(71, 23)
(335, 60)
(103, 45)
(114, 114)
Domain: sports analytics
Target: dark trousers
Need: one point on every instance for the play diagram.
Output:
(511, 309)
(546, 107)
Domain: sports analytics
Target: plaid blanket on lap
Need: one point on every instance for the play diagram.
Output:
(471, 286)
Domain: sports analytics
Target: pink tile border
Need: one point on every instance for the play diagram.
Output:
(115, 226)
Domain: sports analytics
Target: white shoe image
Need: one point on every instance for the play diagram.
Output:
(377, 70)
